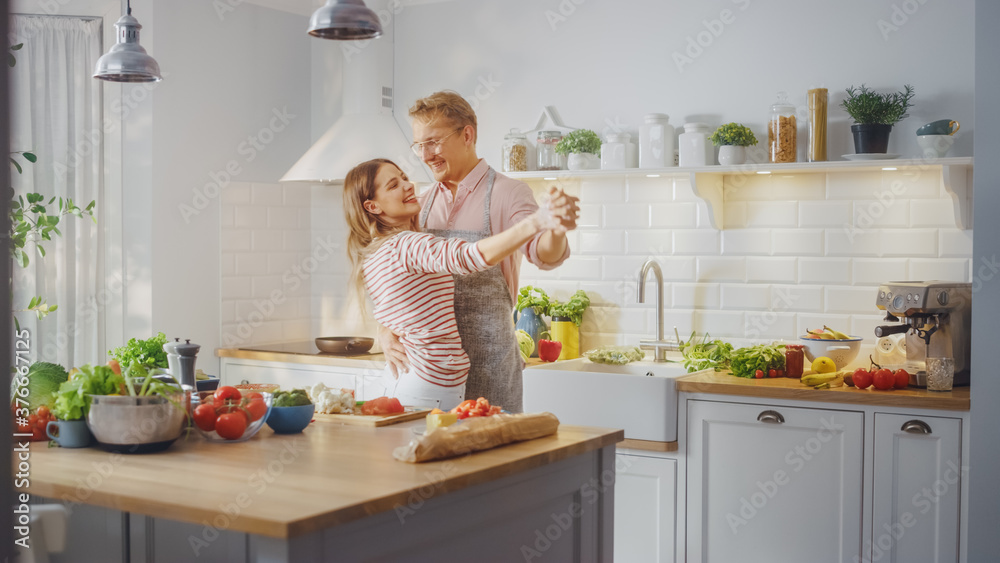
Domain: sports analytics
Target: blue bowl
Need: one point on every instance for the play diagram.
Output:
(289, 420)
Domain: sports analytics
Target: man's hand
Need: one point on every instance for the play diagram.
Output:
(565, 207)
(395, 354)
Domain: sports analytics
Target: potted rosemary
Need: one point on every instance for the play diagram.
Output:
(583, 147)
(732, 140)
(874, 115)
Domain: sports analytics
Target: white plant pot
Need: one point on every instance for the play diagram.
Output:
(583, 161)
(730, 155)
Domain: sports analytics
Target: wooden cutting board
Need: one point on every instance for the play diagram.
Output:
(411, 413)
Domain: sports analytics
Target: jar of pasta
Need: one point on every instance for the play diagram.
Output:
(781, 129)
(515, 151)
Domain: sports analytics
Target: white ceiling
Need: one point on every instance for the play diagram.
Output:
(307, 7)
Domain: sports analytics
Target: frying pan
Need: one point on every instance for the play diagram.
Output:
(344, 345)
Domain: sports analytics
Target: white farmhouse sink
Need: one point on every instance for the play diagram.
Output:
(639, 397)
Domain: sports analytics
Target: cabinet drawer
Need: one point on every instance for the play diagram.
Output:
(235, 372)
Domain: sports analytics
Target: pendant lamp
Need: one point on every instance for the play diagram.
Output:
(127, 61)
(344, 20)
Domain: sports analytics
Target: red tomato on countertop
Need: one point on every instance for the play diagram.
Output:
(902, 378)
(382, 405)
(883, 379)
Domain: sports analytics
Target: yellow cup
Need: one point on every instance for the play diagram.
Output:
(565, 331)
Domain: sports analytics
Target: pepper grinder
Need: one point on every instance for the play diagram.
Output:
(181, 359)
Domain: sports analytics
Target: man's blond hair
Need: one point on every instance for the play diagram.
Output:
(449, 105)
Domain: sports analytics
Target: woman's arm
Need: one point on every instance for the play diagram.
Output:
(553, 219)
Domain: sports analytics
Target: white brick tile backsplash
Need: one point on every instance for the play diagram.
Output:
(814, 214)
(778, 269)
(295, 330)
(772, 214)
(747, 187)
(236, 193)
(295, 195)
(913, 184)
(699, 242)
(267, 195)
(878, 270)
(236, 288)
(873, 213)
(692, 295)
(743, 242)
(267, 240)
(825, 271)
(909, 242)
(615, 320)
(269, 331)
(730, 268)
(735, 214)
(227, 264)
(282, 262)
(641, 189)
(580, 268)
(719, 324)
(683, 190)
(769, 325)
(263, 286)
(590, 215)
(743, 297)
(683, 319)
(797, 242)
(248, 216)
(608, 293)
(227, 313)
(798, 187)
(705, 218)
(603, 190)
(632, 215)
(954, 242)
(853, 185)
(297, 240)
(250, 264)
(950, 269)
(601, 242)
(286, 217)
(652, 242)
(233, 240)
(932, 213)
(679, 215)
(852, 242)
(864, 325)
(227, 216)
(796, 298)
(841, 299)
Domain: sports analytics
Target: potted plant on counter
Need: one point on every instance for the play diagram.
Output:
(566, 320)
(874, 115)
(532, 303)
(732, 140)
(583, 147)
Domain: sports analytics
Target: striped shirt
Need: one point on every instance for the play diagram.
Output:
(409, 279)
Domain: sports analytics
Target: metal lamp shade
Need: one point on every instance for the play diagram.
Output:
(127, 61)
(344, 20)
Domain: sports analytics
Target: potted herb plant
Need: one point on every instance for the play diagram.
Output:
(732, 140)
(874, 115)
(566, 319)
(532, 303)
(583, 147)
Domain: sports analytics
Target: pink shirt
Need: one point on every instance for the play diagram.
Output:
(410, 282)
(512, 201)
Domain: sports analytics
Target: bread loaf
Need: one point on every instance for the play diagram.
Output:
(476, 434)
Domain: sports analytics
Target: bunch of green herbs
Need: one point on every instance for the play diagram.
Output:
(733, 134)
(572, 309)
(534, 297)
(147, 352)
(704, 354)
(579, 141)
(746, 361)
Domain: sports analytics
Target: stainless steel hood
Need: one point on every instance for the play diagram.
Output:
(367, 129)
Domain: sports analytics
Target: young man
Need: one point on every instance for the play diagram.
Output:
(471, 201)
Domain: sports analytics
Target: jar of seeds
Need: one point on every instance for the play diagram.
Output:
(515, 151)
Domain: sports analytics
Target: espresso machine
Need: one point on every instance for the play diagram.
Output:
(937, 322)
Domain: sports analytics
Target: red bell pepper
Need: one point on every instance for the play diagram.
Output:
(549, 350)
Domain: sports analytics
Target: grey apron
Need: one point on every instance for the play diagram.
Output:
(483, 313)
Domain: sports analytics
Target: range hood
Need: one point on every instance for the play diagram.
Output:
(367, 128)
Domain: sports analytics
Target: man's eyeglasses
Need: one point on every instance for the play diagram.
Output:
(433, 146)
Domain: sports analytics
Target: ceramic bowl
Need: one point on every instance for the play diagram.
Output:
(289, 420)
(128, 424)
(251, 430)
(935, 146)
(841, 351)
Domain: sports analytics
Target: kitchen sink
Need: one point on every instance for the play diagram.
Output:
(639, 397)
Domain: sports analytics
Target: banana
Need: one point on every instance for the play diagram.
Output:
(836, 333)
(828, 379)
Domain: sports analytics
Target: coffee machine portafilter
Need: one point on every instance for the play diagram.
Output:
(937, 320)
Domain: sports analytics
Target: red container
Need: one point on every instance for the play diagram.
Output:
(794, 356)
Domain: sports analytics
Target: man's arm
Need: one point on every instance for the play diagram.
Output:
(551, 245)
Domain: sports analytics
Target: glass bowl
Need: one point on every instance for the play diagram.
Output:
(290, 420)
(253, 427)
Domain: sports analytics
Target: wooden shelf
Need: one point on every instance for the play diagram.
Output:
(707, 181)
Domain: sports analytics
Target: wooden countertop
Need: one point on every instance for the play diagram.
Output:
(724, 383)
(286, 485)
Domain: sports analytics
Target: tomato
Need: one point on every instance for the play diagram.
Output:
(231, 425)
(862, 378)
(204, 417)
(902, 378)
(772, 372)
(758, 374)
(227, 393)
(43, 412)
(232, 408)
(781, 373)
(883, 379)
(257, 408)
(252, 395)
(382, 405)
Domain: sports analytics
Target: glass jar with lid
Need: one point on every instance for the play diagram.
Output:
(781, 130)
(545, 148)
(515, 151)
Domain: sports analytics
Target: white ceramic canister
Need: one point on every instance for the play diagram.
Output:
(613, 151)
(695, 148)
(656, 141)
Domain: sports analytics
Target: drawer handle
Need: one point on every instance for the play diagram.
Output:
(916, 427)
(770, 417)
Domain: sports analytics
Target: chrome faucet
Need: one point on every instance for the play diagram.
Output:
(659, 346)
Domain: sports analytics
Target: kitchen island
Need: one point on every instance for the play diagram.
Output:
(334, 492)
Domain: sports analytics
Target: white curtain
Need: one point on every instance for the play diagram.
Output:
(56, 113)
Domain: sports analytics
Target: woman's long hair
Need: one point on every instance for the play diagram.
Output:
(366, 231)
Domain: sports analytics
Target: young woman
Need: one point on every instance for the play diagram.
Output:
(408, 275)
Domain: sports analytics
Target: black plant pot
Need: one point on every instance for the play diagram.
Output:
(871, 138)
